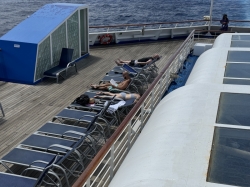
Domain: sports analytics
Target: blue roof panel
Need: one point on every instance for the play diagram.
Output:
(41, 23)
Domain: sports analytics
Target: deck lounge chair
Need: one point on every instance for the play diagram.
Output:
(9, 179)
(130, 88)
(138, 78)
(63, 66)
(58, 146)
(56, 134)
(101, 105)
(122, 111)
(74, 115)
(138, 75)
(48, 143)
(82, 135)
(32, 156)
(35, 159)
(149, 71)
(117, 75)
(92, 94)
(79, 116)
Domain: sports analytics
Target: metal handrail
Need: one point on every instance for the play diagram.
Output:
(144, 24)
(162, 23)
(83, 179)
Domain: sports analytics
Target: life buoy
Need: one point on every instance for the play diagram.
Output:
(106, 39)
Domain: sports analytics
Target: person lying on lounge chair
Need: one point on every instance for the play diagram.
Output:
(124, 96)
(108, 86)
(139, 62)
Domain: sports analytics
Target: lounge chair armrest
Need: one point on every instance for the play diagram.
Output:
(99, 106)
(38, 161)
(59, 146)
(30, 168)
(71, 64)
(96, 107)
(85, 116)
(74, 132)
(33, 164)
(88, 108)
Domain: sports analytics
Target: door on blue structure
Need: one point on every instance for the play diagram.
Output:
(84, 31)
(73, 34)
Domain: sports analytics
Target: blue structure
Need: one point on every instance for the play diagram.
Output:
(183, 74)
(34, 46)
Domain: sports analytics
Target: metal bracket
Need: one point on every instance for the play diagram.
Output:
(143, 30)
(174, 75)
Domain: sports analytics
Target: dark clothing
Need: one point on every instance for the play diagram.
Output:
(145, 59)
(224, 22)
(132, 63)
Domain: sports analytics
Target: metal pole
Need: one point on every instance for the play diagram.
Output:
(211, 12)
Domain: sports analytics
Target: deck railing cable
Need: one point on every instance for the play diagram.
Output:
(104, 165)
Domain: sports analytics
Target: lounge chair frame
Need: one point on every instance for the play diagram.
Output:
(64, 64)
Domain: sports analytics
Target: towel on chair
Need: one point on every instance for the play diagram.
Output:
(113, 108)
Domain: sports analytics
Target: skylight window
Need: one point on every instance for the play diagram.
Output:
(230, 157)
(237, 70)
(238, 56)
(234, 109)
(241, 37)
(240, 43)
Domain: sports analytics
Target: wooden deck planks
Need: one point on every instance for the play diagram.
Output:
(28, 107)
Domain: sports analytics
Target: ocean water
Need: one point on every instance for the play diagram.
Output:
(112, 12)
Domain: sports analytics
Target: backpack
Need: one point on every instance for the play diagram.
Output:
(82, 100)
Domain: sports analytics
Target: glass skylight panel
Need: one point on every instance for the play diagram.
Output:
(241, 37)
(230, 157)
(238, 56)
(236, 81)
(237, 70)
(234, 109)
(240, 44)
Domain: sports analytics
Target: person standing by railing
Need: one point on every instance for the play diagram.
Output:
(224, 23)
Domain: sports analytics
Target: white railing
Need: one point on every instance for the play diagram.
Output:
(103, 167)
(160, 25)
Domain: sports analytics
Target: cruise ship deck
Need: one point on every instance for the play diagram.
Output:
(28, 107)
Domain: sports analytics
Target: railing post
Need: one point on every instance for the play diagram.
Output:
(161, 86)
(88, 182)
(163, 89)
(129, 136)
(179, 65)
(152, 99)
(142, 114)
(111, 162)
